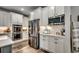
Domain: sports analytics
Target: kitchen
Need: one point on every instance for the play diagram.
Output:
(38, 29)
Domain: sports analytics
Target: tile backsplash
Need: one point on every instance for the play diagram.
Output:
(54, 29)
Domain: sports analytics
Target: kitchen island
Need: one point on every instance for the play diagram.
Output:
(5, 44)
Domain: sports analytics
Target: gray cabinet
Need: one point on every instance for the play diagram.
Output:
(6, 49)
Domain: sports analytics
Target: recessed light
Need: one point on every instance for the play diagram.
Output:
(22, 9)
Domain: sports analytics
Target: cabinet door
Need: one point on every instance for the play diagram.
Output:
(4, 18)
(14, 18)
(1, 19)
(44, 20)
(37, 13)
(6, 49)
(19, 18)
(32, 16)
(44, 42)
(25, 21)
(51, 44)
(59, 10)
(51, 12)
(41, 41)
(59, 47)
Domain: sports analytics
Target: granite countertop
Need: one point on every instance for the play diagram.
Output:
(5, 40)
(53, 35)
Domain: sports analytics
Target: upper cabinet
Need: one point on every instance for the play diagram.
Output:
(59, 10)
(51, 11)
(20, 18)
(32, 16)
(55, 11)
(5, 18)
(44, 20)
(16, 18)
(45, 13)
(36, 14)
(25, 21)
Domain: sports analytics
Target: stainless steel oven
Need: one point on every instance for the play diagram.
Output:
(17, 32)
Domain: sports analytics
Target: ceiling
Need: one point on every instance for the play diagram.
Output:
(26, 11)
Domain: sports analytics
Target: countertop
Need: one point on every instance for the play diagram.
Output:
(53, 35)
(5, 40)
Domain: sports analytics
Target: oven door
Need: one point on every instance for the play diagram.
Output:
(17, 28)
(17, 36)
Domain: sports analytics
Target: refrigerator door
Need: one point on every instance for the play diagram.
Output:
(34, 33)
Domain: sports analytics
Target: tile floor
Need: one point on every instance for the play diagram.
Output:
(28, 49)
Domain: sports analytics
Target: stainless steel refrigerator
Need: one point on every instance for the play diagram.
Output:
(34, 35)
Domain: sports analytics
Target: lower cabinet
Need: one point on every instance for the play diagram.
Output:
(52, 44)
(59, 45)
(6, 49)
(43, 42)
